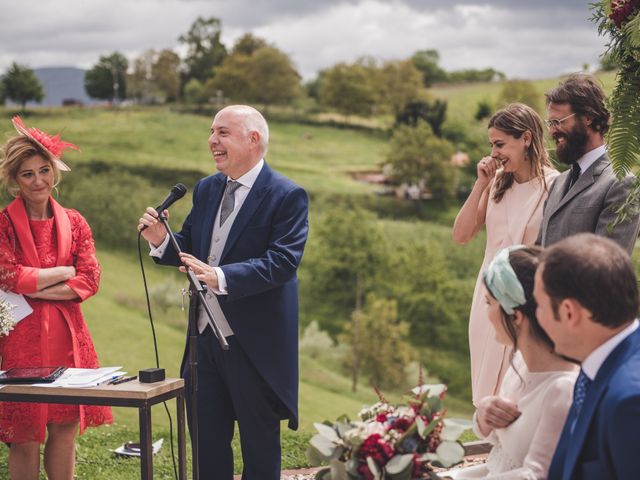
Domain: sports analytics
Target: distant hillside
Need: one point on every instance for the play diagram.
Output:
(61, 83)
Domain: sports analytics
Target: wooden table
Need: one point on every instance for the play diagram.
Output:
(129, 394)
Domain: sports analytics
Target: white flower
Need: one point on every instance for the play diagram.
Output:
(7, 320)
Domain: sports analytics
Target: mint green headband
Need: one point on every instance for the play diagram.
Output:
(502, 281)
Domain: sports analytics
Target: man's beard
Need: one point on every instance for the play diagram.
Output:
(574, 145)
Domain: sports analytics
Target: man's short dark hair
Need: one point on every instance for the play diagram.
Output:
(586, 98)
(597, 273)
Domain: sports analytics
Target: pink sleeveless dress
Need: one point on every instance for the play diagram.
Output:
(514, 220)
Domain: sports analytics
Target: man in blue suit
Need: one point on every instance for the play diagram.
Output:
(587, 296)
(244, 238)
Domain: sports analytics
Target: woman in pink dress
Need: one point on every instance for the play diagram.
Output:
(48, 255)
(508, 198)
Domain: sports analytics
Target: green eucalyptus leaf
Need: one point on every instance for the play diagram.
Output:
(352, 467)
(324, 446)
(338, 470)
(343, 428)
(449, 453)
(399, 464)
(421, 427)
(327, 432)
(373, 466)
(452, 430)
(314, 457)
(432, 425)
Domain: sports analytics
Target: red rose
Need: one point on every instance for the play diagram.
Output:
(381, 418)
(376, 448)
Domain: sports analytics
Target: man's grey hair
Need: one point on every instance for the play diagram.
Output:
(253, 121)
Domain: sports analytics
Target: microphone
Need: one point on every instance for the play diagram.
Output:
(176, 193)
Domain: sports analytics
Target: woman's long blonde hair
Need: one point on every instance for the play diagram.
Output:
(515, 119)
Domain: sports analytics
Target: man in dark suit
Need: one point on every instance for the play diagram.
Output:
(586, 196)
(587, 296)
(244, 238)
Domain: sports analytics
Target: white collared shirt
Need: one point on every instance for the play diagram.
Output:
(240, 195)
(590, 157)
(591, 365)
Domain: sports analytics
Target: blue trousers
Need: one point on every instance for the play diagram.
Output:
(230, 389)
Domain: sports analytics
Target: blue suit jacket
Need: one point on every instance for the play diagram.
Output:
(604, 444)
(259, 261)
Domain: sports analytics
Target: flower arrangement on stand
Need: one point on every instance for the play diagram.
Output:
(620, 20)
(390, 442)
(7, 320)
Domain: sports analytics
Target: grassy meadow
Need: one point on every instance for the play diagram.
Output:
(131, 157)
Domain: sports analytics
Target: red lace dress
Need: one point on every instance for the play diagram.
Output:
(55, 333)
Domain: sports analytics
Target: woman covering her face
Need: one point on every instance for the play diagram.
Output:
(508, 197)
(48, 255)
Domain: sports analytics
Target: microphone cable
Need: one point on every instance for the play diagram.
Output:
(155, 348)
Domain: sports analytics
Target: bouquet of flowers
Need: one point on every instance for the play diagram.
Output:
(7, 321)
(389, 442)
(620, 20)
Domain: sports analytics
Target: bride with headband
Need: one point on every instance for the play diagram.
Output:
(525, 419)
(47, 254)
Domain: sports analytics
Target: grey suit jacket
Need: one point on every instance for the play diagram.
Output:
(589, 206)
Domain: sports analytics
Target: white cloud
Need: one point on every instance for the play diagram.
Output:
(523, 39)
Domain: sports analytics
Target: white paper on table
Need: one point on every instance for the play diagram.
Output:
(84, 377)
(22, 308)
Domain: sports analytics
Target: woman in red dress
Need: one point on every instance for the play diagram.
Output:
(48, 255)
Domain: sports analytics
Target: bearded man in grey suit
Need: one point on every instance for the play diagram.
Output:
(586, 197)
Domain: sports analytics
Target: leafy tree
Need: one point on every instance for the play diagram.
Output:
(430, 298)
(107, 80)
(433, 113)
(204, 48)
(194, 92)
(474, 75)
(418, 157)
(523, 91)
(427, 62)
(315, 342)
(2, 94)
(248, 44)
(264, 76)
(377, 341)
(346, 253)
(484, 110)
(165, 72)
(400, 82)
(21, 85)
(140, 82)
(348, 88)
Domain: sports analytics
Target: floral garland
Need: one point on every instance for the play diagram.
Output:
(620, 20)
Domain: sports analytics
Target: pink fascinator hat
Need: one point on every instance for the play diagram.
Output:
(51, 143)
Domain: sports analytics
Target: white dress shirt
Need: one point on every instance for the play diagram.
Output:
(590, 157)
(591, 365)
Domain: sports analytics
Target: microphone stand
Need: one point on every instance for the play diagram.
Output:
(197, 287)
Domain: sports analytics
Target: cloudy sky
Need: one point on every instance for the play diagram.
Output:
(523, 38)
